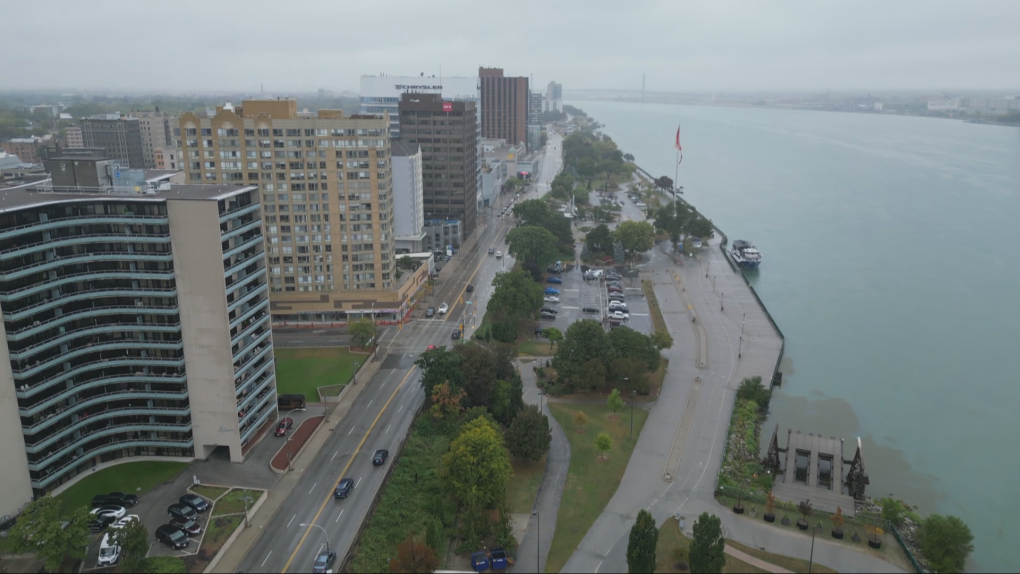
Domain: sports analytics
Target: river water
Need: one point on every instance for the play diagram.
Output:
(890, 261)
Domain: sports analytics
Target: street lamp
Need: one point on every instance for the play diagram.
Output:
(633, 393)
(323, 532)
(812, 558)
(355, 375)
(538, 540)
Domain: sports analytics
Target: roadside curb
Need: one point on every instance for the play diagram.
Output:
(321, 419)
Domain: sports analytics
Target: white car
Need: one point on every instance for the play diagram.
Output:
(619, 315)
(552, 299)
(443, 309)
(499, 255)
(109, 553)
(115, 512)
(123, 522)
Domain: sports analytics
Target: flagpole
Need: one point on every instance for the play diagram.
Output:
(676, 172)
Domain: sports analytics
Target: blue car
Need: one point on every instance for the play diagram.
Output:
(551, 291)
(553, 280)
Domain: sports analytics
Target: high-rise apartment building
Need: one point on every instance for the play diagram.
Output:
(136, 324)
(534, 121)
(504, 106)
(554, 97)
(408, 197)
(120, 136)
(74, 138)
(445, 131)
(327, 183)
(157, 133)
(27, 149)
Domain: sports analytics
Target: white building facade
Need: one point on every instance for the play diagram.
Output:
(408, 192)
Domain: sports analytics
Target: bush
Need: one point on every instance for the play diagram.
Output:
(946, 541)
(751, 389)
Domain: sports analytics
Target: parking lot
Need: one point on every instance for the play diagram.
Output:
(576, 293)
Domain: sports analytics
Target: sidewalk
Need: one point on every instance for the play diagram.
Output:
(232, 556)
(766, 566)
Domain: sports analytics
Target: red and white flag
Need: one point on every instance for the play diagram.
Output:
(679, 150)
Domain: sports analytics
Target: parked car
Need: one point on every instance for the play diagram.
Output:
(499, 255)
(590, 309)
(615, 323)
(109, 553)
(430, 312)
(283, 426)
(493, 249)
(551, 291)
(99, 522)
(556, 280)
(615, 308)
(115, 512)
(181, 510)
(430, 347)
(380, 456)
(614, 290)
(547, 315)
(549, 310)
(195, 501)
(539, 331)
(291, 401)
(553, 270)
(114, 499)
(619, 315)
(344, 488)
(123, 522)
(323, 561)
(443, 309)
(552, 299)
(455, 335)
(172, 536)
(470, 288)
(190, 527)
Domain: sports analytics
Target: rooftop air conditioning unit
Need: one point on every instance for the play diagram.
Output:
(164, 186)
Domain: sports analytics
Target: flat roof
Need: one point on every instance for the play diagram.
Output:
(401, 148)
(24, 198)
(152, 175)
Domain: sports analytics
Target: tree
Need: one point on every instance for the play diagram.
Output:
(40, 529)
(133, 540)
(516, 296)
(837, 520)
(665, 183)
(406, 262)
(446, 401)
(644, 537)
(708, 546)
(529, 436)
(599, 239)
(362, 332)
(630, 372)
(615, 402)
(751, 389)
(532, 243)
(440, 366)
(476, 466)
(636, 236)
(618, 254)
(553, 334)
(700, 227)
(580, 419)
(516, 396)
(603, 443)
(414, 556)
(893, 510)
(479, 369)
(770, 504)
(534, 211)
(805, 509)
(593, 376)
(165, 565)
(662, 339)
(584, 341)
(500, 404)
(946, 541)
(627, 342)
(628, 156)
(673, 218)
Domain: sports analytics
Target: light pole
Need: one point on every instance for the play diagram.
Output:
(633, 393)
(373, 322)
(812, 558)
(722, 301)
(247, 499)
(323, 532)
(538, 540)
(354, 377)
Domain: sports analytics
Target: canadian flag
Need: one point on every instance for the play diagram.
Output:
(679, 150)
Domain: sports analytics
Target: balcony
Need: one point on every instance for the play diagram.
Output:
(244, 260)
(75, 444)
(86, 220)
(255, 407)
(85, 258)
(256, 423)
(262, 338)
(55, 472)
(138, 377)
(38, 367)
(57, 321)
(104, 328)
(249, 330)
(104, 398)
(135, 362)
(27, 311)
(42, 444)
(46, 285)
(256, 224)
(259, 353)
(239, 211)
(253, 292)
(250, 313)
(252, 241)
(82, 239)
(247, 386)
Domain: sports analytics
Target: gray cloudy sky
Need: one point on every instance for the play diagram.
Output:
(216, 45)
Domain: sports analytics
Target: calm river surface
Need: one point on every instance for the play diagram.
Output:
(890, 261)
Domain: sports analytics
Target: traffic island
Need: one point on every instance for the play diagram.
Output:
(294, 445)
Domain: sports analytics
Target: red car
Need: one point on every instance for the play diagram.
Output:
(430, 347)
(284, 426)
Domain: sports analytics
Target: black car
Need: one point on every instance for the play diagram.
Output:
(344, 488)
(549, 310)
(547, 315)
(172, 536)
(380, 456)
(190, 527)
(195, 501)
(114, 499)
(470, 288)
(553, 270)
(590, 309)
(540, 331)
(99, 522)
(323, 561)
(430, 312)
(181, 511)
(455, 335)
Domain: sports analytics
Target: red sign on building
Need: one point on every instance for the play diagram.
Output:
(447, 106)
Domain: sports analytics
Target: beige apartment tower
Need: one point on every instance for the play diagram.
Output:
(326, 182)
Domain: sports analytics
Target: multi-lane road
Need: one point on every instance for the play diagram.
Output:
(310, 516)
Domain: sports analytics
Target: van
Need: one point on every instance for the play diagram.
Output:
(109, 553)
(294, 401)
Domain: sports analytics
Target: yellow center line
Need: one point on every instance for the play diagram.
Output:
(346, 468)
(449, 312)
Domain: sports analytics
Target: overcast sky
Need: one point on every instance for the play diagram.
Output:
(221, 46)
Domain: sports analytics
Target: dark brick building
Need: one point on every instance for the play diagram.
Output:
(504, 106)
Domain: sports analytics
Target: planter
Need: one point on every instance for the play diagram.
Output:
(837, 534)
(876, 544)
(770, 518)
(802, 524)
(738, 508)
(786, 521)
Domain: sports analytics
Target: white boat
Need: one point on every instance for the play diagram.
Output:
(745, 254)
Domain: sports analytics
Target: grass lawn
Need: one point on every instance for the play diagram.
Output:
(536, 348)
(233, 502)
(658, 323)
(305, 370)
(220, 528)
(520, 493)
(590, 483)
(130, 477)
(791, 564)
(210, 492)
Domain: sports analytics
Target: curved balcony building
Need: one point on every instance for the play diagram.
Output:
(135, 324)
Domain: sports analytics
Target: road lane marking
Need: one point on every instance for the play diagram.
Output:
(267, 559)
(369, 404)
(346, 468)
(338, 516)
(400, 409)
(334, 456)
(313, 487)
(291, 520)
(350, 431)
(565, 307)
(387, 429)
(471, 278)
(359, 482)
(297, 341)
